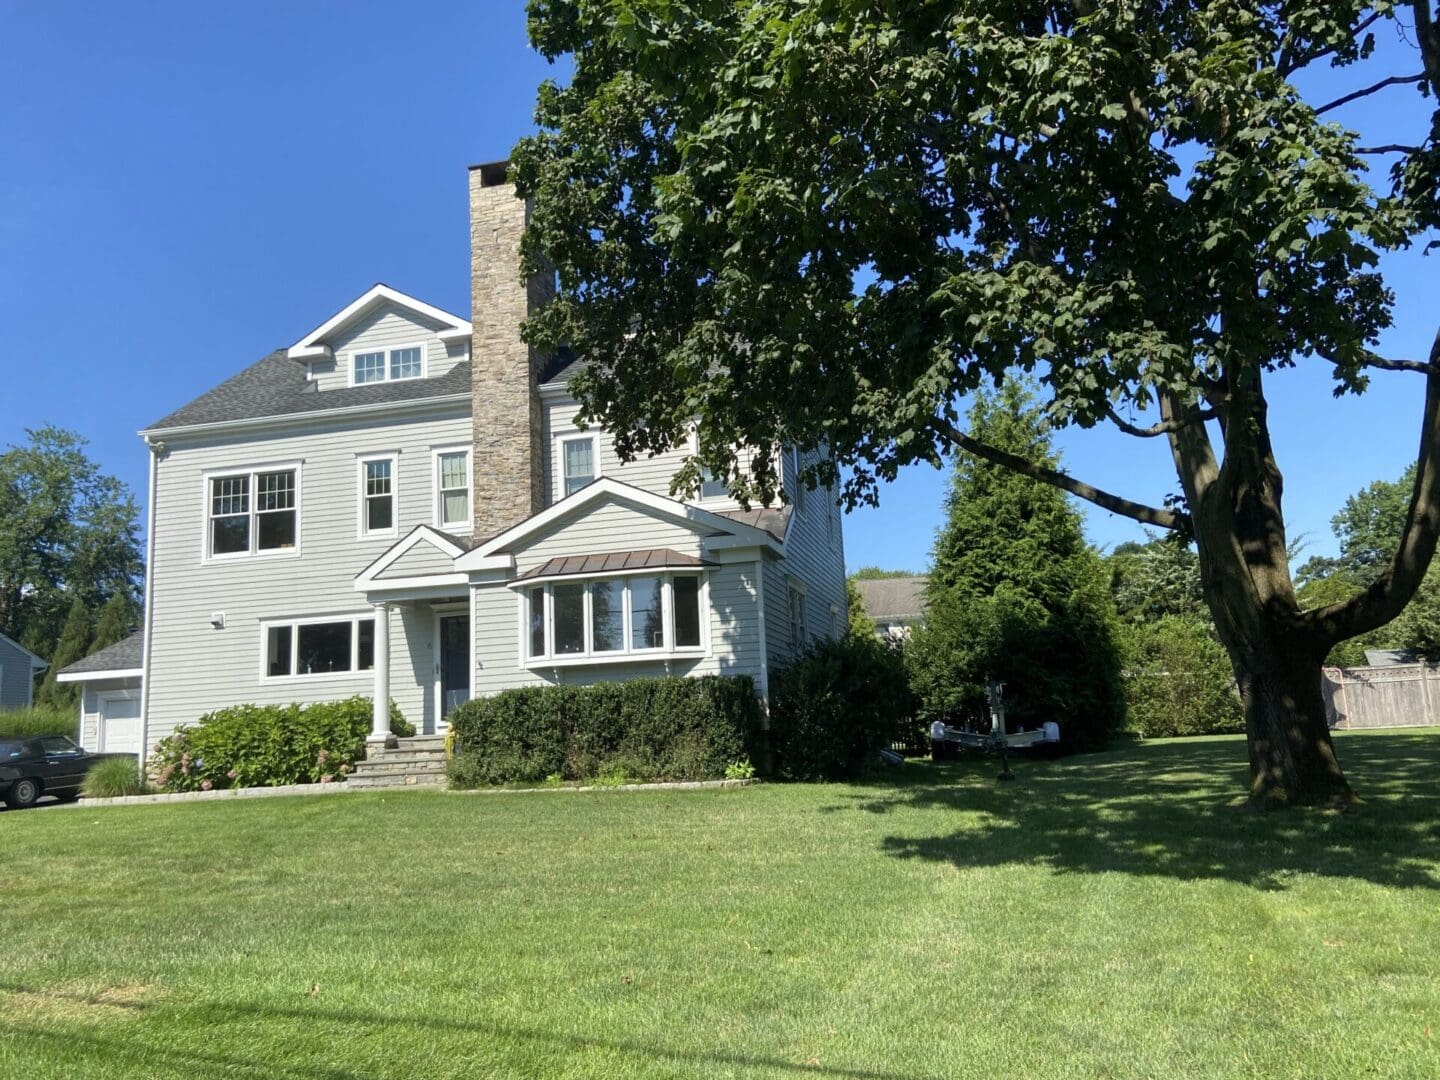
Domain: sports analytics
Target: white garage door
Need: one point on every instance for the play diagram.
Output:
(120, 723)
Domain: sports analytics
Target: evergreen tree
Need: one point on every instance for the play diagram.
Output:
(1016, 594)
(117, 621)
(74, 644)
(861, 625)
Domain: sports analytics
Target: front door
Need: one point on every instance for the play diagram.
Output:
(454, 652)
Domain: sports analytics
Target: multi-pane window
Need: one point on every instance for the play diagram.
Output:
(452, 484)
(795, 464)
(253, 512)
(377, 482)
(577, 462)
(405, 363)
(612, 616)
(319, 647)
(369, 367)
(381, 365)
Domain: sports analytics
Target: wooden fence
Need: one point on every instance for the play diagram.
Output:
(1400, 695)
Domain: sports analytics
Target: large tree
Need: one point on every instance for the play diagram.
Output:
(824, 222)
(68, 534)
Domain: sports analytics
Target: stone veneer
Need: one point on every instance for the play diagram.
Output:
(508, 465)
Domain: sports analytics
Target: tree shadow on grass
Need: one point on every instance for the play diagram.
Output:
(1176, 810)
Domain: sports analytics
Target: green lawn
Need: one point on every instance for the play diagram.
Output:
(1108, 915)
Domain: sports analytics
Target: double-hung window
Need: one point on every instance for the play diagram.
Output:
(318, 647)
(377, 496)
(452, 488)
(387, 365)
(579, 462)
(796, 465)
(640, 615)
(252, 513)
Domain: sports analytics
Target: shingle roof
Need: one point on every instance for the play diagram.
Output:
(276, 385)
(610, 562)
(773, 520)
(891, 599)
(124, 655)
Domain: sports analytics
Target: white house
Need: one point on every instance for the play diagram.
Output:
(400, 504)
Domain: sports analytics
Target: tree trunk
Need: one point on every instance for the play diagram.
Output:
(1292, 760)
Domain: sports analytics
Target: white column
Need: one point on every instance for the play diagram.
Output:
(380, 724)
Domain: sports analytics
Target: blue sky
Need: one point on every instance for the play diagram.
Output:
(186, 187)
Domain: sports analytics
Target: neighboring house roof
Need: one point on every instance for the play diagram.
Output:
(36, 664)
(1390, 657)
(127, 656)
(652, 559)
(276, 386)
(773, 520)
(895, 599)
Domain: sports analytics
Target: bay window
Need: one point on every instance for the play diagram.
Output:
(304, 647)
(252, 513)
(638, 615)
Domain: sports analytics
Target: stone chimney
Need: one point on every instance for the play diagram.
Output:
(508, 460)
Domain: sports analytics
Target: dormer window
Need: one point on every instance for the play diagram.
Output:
(387, 365)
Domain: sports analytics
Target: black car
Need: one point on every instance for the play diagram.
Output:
(45, 765)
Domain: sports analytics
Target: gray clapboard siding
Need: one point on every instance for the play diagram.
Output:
(16, 676)
(195, 668)
(387, 326)
(422, 559)
(615, 526)
(652, 474)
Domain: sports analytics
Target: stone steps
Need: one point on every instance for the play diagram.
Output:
(413, 762)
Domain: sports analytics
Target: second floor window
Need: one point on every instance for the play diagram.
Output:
(387, 365)
(797, 618)
(578, 464)
(378, 495)
(712, 487)
(253, 512)
(452, 486)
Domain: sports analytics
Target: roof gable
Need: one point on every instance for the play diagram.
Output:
(318, 342)
(422, 552)
(36, 664)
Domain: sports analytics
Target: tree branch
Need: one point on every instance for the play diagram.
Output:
(1389, 593)
(1431, 367)
(1164, 427)
(1287, 65)
(1147, 515)
(1393, 80)
(1389, 148)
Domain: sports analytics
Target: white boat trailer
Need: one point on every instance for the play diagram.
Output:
(942, 734)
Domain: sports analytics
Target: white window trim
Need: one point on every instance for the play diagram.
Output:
(436, 454)
(252, 471)
(389, 351)
(362, 518)
(561, 437)
(669, 651)
(355, 618)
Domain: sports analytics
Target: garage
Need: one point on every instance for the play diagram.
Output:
(111, 702)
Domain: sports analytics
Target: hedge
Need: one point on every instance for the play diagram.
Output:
(268, 745)
(640, 730)
(39, 720)
(836, 705)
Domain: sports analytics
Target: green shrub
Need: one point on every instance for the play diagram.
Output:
(1178, 681)
(268, 745)
(40, 720)
(637, 731)
(115, 777)
(835, 705)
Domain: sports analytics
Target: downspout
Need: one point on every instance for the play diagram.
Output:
(764, 648)
(156, 448)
